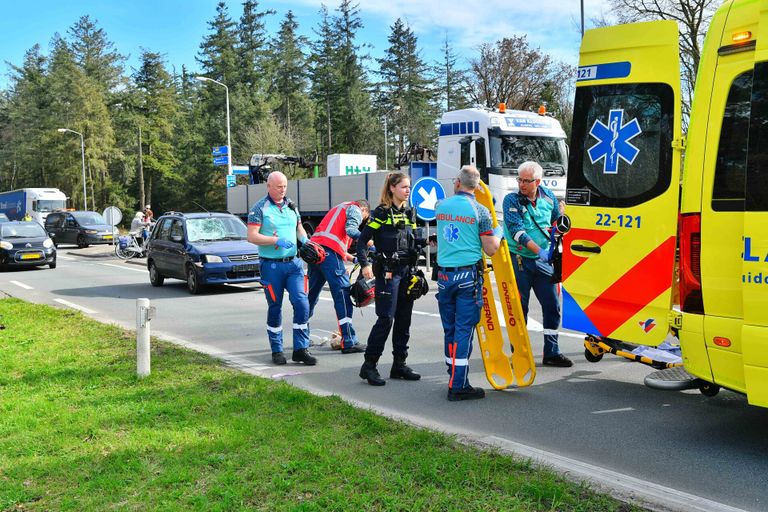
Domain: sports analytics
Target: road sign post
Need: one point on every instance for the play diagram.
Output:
(425, 194)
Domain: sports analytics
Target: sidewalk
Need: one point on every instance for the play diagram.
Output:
(92, 251)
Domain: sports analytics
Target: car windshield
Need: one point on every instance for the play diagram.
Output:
(48, 205)
(23, 230)
(89, 218)
(216, 228)
(509, 151)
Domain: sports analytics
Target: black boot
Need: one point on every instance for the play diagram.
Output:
(369, 372)
(401, 371)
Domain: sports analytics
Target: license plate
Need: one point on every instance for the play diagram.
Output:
(31, 256)
(107, 237)
(248, 267)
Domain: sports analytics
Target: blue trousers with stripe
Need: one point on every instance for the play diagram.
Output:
(277, 277)
(460, 298)
(333, 271)
(533, 274)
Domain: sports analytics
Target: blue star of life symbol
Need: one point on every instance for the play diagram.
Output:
(451, 233)
(613, 141)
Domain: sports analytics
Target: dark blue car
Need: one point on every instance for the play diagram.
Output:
(25, 244)
(201, 249)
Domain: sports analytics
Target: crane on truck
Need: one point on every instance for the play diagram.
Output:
(629, 221)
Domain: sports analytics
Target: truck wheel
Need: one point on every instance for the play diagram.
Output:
(308, 226)
(81, 243)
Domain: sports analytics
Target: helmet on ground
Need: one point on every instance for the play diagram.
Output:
(363, 291)
(312, 252)
(417, 285)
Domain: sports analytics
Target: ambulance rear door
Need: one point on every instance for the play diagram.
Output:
(623, 183)
(754, 337)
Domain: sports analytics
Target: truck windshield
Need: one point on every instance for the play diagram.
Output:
(209, 229)
(509, 151)
(49, 205)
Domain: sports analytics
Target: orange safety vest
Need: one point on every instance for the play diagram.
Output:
(332, 231)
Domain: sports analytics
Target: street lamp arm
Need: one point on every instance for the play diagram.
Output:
(206, 79)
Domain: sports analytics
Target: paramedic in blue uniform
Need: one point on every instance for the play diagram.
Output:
(274, 224)
(336, 231)
(464, 230)
(391, 227)
(528, 216)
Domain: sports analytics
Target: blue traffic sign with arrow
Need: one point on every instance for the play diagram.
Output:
(425, 194)
(220, 151)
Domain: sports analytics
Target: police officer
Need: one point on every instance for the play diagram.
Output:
(464, 230)
(391, 227)
(274, 224)
(528, 214)
(336, 231)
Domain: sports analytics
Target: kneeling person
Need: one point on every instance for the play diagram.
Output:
(335, 234)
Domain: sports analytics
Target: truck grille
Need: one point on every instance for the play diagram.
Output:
(244, 257)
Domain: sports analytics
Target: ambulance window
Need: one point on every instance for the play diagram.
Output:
(621, 147)
(731, 166)
(757, 156)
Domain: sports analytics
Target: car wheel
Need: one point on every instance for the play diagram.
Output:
(155, 277)
(193, 281)
(81, 243)
(52, 264)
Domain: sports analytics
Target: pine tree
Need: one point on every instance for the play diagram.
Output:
(405, 84)
(324, 76)
(95, 55)
(451, 80)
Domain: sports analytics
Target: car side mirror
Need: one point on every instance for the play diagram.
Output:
(177, 239)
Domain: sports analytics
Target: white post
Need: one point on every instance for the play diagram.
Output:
(143, 317)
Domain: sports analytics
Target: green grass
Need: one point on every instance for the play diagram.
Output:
(78, 431)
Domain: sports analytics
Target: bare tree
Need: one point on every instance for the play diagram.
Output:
(692, 16)
(512, 72)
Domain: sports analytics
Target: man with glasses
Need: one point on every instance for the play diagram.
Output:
(528, 216)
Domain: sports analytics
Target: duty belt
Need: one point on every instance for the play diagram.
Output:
(281, 260)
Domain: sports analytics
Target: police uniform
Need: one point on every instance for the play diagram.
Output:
(282, 270)
(525, 221)
(392, 232)
(461, 221)
(336, 231)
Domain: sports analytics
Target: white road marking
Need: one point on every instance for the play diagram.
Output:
(75, 306)
(142, 270)
(424, 313)
(609, 411)
(21, 285)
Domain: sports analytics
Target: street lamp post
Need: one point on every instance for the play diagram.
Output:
(386, 137)
(229, 140)
(82, 150)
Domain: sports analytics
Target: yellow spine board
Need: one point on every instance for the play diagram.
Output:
(502, 368)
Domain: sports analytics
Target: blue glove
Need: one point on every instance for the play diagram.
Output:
(498, 232)
(284, 243)
(372, 248)
(544, 256)
(304, 240)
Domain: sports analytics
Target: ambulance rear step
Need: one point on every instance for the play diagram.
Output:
(677, 379)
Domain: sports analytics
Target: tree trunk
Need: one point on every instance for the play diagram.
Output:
(140, 176)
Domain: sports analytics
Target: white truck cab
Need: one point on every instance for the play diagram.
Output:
(497, 142)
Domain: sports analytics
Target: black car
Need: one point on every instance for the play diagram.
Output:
(81, 228)
(25, 244)
(201, 249)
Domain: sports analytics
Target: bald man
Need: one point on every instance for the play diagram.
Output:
(274, 224)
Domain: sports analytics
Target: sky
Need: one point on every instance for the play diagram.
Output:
(175, 28)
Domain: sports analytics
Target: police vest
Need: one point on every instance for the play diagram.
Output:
(332, 231)
(458, 232)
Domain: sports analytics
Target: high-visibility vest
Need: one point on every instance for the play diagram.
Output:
(332, 231)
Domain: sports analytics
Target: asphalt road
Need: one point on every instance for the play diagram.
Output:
(679, 449)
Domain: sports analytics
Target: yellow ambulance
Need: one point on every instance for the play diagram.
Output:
(633, 211)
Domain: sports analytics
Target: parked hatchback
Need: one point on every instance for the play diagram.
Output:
(201, 249)
(25, 244)
(80, 228)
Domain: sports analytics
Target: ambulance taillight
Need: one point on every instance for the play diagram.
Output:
(691, 299)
